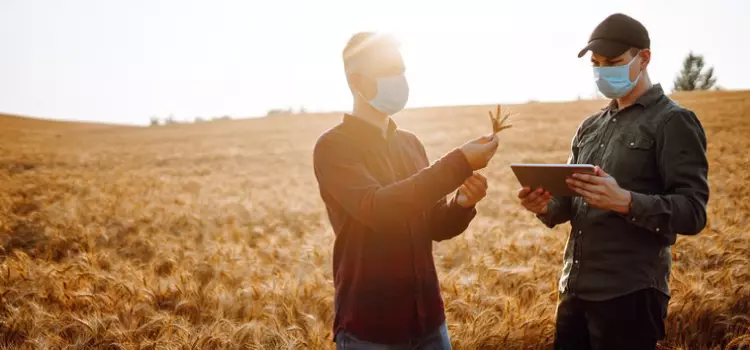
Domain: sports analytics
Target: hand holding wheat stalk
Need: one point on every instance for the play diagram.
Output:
(497, 126)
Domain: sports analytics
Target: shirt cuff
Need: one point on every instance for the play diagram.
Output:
(639, 208)
(547, 218)
(460, 165)
(458, 207)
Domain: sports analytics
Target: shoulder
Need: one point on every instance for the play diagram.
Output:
(331, 141)
(675, 114)
(412, 140)
(588, 122)
(408, 136)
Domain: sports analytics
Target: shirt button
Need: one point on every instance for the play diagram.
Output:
(657, 229)
(633, 219)
(614, 120)
(601, 146)
(632, 143)
(575, 262)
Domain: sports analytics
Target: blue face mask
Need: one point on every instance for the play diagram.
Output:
(614, 82)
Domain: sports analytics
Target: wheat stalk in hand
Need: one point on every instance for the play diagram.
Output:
(498, 124)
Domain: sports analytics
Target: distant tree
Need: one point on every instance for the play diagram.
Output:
(692, 77)
(154, 121)
(170, 120)
(198, 120)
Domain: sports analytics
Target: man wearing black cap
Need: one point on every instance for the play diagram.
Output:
(650, 185)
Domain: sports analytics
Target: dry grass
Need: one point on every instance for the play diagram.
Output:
(213, 236)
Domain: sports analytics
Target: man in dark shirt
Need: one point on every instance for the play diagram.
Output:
(650, 185)
(387, 204)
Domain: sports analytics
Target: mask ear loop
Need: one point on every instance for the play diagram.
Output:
(640, 70)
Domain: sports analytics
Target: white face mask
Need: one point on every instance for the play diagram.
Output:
(393, 92)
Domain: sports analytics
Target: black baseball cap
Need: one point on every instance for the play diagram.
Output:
(615, 35)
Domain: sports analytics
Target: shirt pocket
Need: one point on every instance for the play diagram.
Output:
(584, 149)
(635, 158)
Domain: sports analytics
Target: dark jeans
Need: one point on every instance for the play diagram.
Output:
(634, 322)
(436, 340)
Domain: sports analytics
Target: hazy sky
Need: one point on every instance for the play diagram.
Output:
(124, 61)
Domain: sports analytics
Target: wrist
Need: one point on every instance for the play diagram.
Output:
(544, 210)
(627, 203)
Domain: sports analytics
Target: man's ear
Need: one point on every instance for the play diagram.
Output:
(645, 58)
(356, 81)
(366, 87)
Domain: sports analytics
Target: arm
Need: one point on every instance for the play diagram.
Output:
(681, 157)
(560, 209)
(447, 219)
(342, 174)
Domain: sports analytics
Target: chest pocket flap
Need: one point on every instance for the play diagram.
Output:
(638, 141)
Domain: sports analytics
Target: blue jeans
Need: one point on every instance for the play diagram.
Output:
(435, 340)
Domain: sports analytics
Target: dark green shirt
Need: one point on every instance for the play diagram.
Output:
(657, 150)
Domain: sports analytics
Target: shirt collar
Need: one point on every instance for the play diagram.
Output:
(366, 131)
(646, 100)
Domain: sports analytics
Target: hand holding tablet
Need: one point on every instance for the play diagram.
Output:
(550, 177)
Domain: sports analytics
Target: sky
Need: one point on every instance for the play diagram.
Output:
(125, 61)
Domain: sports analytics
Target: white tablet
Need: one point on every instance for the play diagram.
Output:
(551, 177)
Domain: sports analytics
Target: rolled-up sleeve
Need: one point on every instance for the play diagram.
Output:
(683, 166)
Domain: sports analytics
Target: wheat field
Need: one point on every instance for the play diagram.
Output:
(213, 235)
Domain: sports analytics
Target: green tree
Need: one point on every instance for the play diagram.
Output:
(692, 76)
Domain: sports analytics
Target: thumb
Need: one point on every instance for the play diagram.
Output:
(485, 138)
(493, 141)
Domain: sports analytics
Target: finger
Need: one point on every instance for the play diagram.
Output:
(589, 178)
(493, 143)
(599, 189)
(476, 185)
(541, 203)
(470, 193)
(544, 197)
(529, 200)
(481, 178)
(523, 192)
(577, 183)
(464, 190)
(587, 195)
(532, 196)
(472, 185)
(537, 203)
(484, 139)
(601, 172)
(539, 208)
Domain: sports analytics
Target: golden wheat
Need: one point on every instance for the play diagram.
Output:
(213, 236)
